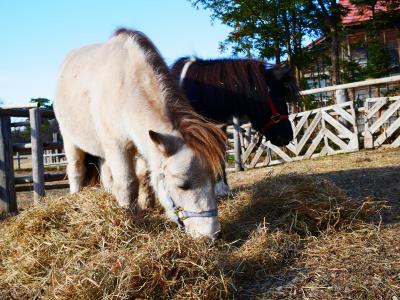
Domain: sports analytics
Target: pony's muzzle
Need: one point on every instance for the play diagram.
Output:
(203, 227)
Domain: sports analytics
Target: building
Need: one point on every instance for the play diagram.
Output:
(354, 53)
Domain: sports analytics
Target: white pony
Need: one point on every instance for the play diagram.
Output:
(118, 101)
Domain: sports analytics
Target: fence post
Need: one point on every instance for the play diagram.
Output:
(18, 161)
(8, 199)
(236, 144)
(55, 158)
(37, 155)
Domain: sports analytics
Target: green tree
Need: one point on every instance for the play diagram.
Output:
(43, 102)
(265, 29)
(276, 28)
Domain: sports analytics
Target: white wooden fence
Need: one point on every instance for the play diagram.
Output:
(319, 132)
(382, 122)
(324, 131)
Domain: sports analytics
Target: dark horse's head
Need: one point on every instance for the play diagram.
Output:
(282, 89)
(248, 88)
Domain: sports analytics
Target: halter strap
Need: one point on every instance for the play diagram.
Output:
(181, 214)
(275, 116)
(185, 68)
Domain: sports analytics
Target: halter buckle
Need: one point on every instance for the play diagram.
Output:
(179, 213)
(276, 117)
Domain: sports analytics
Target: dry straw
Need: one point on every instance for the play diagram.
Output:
(84, 247)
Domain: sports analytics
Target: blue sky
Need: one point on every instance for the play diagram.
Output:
(36, 35)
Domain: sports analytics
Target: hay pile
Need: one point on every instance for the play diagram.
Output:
(84, 247)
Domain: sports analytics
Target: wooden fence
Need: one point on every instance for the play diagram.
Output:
(324, 131)
(8, 181)
(319, 132)
(382, 122)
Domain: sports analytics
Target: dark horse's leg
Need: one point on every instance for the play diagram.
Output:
(221, 186)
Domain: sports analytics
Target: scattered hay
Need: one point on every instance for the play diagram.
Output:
(84, 247)
(363, 264)
(307, 206)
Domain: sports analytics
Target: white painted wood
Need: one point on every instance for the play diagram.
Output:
(257, 156)
(375, 108)
(19, 106)
(314, 144)
(381, 122)
(396, 142)
(388, 132)
(385, 116)
(309, 131)
(344, 114)
(312, 137)
(277, 150)
(351, 85)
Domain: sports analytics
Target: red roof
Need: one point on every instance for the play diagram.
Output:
(357, 15)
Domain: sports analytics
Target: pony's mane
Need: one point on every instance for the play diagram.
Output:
(206, 139)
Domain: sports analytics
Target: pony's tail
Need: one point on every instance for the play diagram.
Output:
(92, 174)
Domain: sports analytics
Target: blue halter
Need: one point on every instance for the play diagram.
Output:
(182, 214)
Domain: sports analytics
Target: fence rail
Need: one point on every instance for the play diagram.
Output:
(351, 85)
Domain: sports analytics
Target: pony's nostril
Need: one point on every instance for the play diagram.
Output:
(217, 235)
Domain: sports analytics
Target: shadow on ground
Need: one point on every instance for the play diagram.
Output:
(382, 183)
(277, 217)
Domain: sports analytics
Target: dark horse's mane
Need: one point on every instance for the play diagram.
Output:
(233, 86)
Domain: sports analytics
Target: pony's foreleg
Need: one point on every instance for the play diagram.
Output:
(124, 182)
(145, 194)
(75, 167)
(106, 177)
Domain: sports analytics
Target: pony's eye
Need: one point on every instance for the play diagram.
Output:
(184, 186)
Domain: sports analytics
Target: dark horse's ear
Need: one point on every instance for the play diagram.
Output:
(166, 143)
(282, 74)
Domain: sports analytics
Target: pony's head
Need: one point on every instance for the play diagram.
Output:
(185, 186)
(282, 89)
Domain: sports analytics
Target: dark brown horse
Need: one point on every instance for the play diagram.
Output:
(220, 89)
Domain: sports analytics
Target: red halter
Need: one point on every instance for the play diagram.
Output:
(275, 116)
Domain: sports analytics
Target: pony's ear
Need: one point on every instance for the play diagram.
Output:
(166, 143)
(282, 74)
